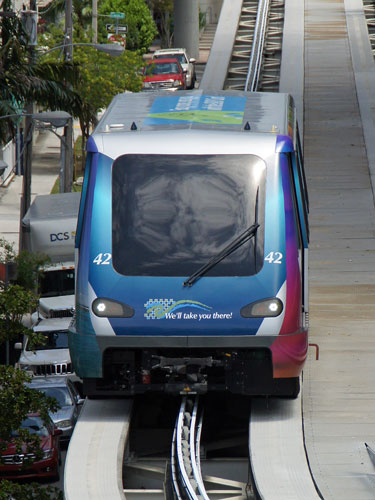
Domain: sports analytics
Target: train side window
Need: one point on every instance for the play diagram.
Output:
(301, 241)
(295, 203)
(299, 180)
(303, 202)
(301, 171)
(82, 205)
(299, 216)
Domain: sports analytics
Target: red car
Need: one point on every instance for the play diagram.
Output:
(164, 74)
(13, 465)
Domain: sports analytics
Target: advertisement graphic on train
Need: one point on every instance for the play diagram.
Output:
(208, 109)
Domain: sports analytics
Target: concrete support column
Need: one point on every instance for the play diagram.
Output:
(186, 26)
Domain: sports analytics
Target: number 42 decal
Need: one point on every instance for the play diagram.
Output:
(274, 257)
(103, 259)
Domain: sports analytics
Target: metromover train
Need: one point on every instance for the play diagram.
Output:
(192, 247)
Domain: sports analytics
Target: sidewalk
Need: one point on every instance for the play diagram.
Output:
(45, 170)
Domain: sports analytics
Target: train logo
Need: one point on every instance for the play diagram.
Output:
(166, 308)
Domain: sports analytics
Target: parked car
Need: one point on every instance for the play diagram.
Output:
(187, 63)
(164, 74)
(51, 358)
(64, 391)
(24, 465)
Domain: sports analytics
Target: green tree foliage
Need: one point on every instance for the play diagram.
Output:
(163, 14)
(28, 265)
(16, 398)
(15, 302)
(33, 491)
(18, 295)
(101, 76)
(23, 79)
(141, 27)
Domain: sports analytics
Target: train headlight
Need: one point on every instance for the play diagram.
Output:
(266, 308)
(108, 308)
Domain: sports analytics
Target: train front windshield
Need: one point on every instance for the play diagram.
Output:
(173, 213)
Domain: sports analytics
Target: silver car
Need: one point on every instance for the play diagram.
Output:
(64, 391)
(187, 63)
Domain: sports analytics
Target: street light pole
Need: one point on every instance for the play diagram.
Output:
(27, 161)
(94, 21)
(112, 49)
(29, 18)
(68, 157)
(68, 129)
(68, 42)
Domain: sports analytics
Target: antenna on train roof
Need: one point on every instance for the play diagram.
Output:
(247, 126)
(134, 126)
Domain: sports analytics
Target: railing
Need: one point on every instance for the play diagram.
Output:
(257, 47)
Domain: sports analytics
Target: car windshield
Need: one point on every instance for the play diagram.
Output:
(171, 214)
(162, 68)
(54, 340)
(34, 425)
(180, 57)
(61, 394)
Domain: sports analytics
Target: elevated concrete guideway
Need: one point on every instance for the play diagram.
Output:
(186, 21)
(338, 390)
(93, 469)
(217, 65)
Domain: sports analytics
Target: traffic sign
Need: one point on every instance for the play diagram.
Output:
(117, 15)
(117, 39)
(114, 28)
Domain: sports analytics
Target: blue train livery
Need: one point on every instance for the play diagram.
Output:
(192, 247)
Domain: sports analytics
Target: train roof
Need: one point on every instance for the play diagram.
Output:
(199, 109)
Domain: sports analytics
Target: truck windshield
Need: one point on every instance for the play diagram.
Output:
(53, 340)
(172, 213)
(56, 283)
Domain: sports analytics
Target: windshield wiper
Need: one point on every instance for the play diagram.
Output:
(249, 233)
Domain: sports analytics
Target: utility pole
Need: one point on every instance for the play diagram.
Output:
(94, 21)
(27, 163)
(29, 19)
(68, 42)
(68, 129)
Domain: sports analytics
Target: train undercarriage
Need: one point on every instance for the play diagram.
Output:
(128, 372)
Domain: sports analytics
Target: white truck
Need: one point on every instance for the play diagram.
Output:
(49, 226)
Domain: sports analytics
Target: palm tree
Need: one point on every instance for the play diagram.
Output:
(24, 79)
